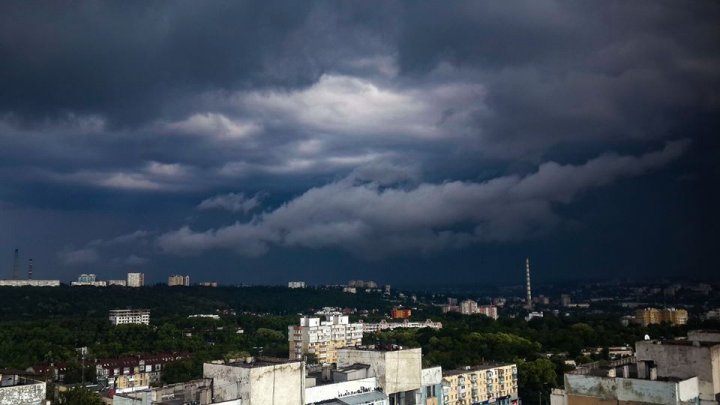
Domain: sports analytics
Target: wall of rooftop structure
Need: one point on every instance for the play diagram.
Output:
(685, 360)
(586, 389)
(397, 370)
(270, 384)
(30, 394)
(431, 379)
(339, 390)
(704, 336)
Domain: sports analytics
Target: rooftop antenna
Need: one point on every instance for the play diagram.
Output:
(527, 280)
(15, 264)
(30, 269)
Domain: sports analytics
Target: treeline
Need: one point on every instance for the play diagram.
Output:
(28, 303)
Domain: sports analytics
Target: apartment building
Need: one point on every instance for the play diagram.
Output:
(296, 284)
(135, 279)
(323, 338)
(257, 382)
(649, 316)
(400, 313)
(487, 384)
(177, 280)
(128, 316)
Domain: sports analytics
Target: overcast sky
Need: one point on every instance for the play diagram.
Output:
(407, 142)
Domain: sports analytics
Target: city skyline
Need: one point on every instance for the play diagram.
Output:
(264, 142)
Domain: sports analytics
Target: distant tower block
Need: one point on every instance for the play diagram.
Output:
(15, 264)
(527, 280)
(30, 269)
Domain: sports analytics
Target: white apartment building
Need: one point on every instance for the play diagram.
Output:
(135, 279)
(468, 307)
(296, 284)
(385, 325)
(127, 316)
(323, 338)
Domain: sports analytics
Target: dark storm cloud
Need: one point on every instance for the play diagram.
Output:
(133, 105)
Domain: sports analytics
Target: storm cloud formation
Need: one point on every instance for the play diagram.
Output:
(382, 129)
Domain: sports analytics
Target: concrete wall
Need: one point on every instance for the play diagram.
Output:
(27, 394)
(704, 336)
(631, 390)
(277, 384)
(431, 376)
(259, 385)
(397, 371)
(339, 390)
(685, 361)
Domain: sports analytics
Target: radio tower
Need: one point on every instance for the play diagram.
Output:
(527, 280)
(15, 264)
(30, 269)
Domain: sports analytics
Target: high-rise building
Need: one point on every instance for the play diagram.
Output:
(323, 338)
(468, 307)
(488, 310)
(135, 279)
(176, 280)
(296, 284)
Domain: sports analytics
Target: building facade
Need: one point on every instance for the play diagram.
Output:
(29, 283)
(487, 384)
(385, 325)
(129, 316)
(400, 313)
(323, 338)
(135, 279)
(649, 316)
(177, 280)
(296, 284)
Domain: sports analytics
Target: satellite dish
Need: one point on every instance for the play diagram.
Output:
(647, 337)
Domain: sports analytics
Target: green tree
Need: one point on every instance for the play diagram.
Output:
(535, 379)
(79, 396)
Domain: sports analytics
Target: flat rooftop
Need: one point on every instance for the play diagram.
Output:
(262, 362)
(479, 367)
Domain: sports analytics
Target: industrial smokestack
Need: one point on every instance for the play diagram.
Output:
(29, 269)
(527, 280)
(15, 264)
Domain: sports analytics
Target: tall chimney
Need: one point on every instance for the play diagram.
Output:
(15, 264)
(527, 280)
(30, 269)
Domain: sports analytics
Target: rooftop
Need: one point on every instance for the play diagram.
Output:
(479, 367)
(261, 362)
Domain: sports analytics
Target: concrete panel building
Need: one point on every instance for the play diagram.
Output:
(431, 391)
(178, 280)
(323, 338)
(15, 390)
(399, 371)
(587, 389)
(296, 284)
(488, 383)
(649, 316)
(258, 382)
(192, 392)
(135, 279)
(684, 359)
